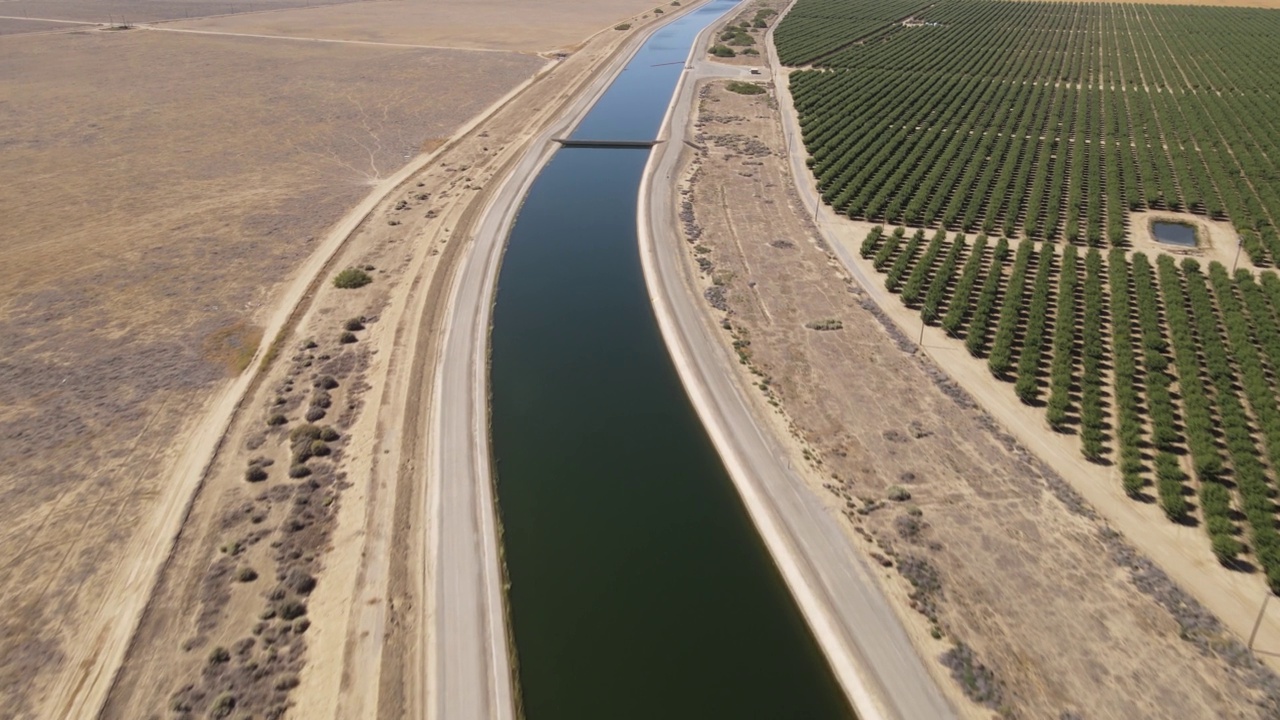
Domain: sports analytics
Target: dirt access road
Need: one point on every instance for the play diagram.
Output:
(857, 629)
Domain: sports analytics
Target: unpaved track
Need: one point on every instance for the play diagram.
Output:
(864, 641)
(320, 40)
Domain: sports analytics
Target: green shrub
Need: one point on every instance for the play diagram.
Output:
(328, 434)
(722, 51)
(745, 88)
(351, 278)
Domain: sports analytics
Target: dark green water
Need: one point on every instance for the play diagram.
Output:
(639, 586)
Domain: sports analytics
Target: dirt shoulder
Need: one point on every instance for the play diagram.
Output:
(988, 555)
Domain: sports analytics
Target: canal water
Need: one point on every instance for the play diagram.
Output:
(639, 587)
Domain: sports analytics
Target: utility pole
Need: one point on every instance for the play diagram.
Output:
(1258, 622)
(1239, 244)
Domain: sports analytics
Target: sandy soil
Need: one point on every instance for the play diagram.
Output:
(157, 191)
(1004, 557)
(142, 11)
(532, 26)
(359, 533)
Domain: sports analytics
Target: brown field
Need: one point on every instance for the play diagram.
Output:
(1065, 616)
(143, 11)
(531, 26)
(157, 189)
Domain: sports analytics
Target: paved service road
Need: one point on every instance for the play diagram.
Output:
(865, 643)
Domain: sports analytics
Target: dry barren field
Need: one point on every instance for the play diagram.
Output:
(141, 11)
(157, 189)
(533, 26)
(1016, 590)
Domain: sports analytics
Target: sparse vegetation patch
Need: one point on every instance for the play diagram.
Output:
(352, 278)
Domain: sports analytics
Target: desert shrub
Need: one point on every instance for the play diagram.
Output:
(622, 26)
(255, 474)
(292, 609)
(328, 434)
(326, 382)
(355, 323)
(347, 338)
(351, 278)
(222, 706)
(827, 324)
(276, 419)
(745, 88)
(306, 430)
(321, 399)
(301, 581)
(314, 413)
(301, 451)
(246, 574)
(299, 471)
(722, 51)
(288, 682)
(657, 11)
(898, 493)
(319, 448)
(219, 655)
(301, 626)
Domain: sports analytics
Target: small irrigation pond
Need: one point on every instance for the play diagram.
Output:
(639, 586)
(1173, 233)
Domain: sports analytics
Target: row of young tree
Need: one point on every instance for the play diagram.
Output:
(1050, 122)
(1193, 356)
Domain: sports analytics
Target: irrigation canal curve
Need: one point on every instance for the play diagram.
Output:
(640, 589)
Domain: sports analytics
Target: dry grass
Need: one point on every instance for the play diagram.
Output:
(532, 26)
(1024, 573)
(143, 11)
(156, 189)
